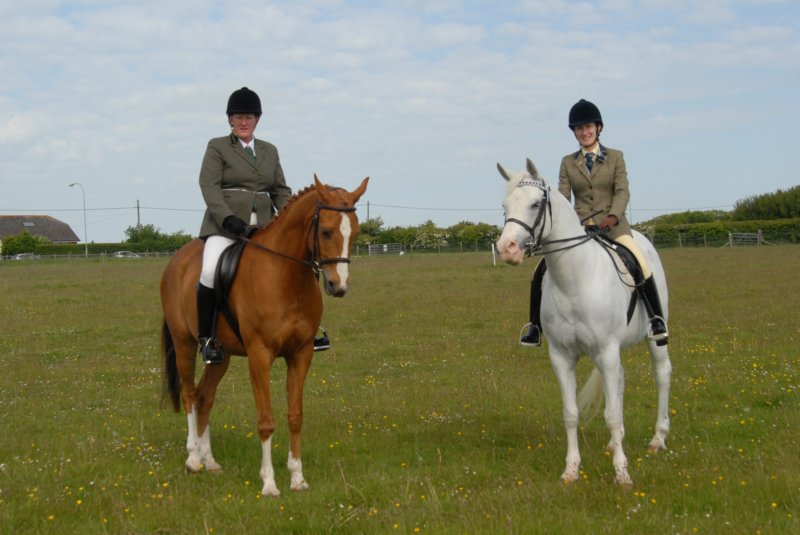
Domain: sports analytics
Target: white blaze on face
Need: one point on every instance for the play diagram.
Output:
(342, 267)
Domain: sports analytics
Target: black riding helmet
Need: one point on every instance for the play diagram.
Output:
(244, 100)
(584, 112)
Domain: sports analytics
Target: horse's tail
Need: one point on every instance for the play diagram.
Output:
(169, 369)
(591, 396)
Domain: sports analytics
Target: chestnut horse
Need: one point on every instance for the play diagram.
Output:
(277, 301)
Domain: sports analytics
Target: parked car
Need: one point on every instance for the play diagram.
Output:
(126, 254)
(26, 256)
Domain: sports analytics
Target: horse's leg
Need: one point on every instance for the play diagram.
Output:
(297, 369)
(205, 393)
(185, 360)
(614, 389)
(662, 370)
(260, 363)
(564, 368)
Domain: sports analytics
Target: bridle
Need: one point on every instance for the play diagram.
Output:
(537, 243)
(315, 263)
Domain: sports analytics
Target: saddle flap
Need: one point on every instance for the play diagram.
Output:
(628, 269)
(228, 265)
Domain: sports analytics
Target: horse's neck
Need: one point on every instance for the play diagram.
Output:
(576, 262)
(287, 232)
(564, 220)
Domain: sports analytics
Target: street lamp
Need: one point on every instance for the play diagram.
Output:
(85, 236)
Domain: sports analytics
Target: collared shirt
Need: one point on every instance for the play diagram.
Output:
(252, 144)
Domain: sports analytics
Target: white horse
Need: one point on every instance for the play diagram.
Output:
(584, 310)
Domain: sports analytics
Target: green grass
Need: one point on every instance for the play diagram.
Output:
(426, 417)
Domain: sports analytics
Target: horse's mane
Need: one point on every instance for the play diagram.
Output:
(301, 193)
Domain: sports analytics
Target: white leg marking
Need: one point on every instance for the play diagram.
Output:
(195, 461)
(199, 447)
(205, 451)
(267, 472)
(342, 267)
(296, 470)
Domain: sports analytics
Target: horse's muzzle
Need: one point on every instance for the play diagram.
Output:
(334, 288)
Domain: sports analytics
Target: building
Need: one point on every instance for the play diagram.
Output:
(36, 225)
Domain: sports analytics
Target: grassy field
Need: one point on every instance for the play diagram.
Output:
(425, 417)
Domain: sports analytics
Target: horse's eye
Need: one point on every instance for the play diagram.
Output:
(326, 234)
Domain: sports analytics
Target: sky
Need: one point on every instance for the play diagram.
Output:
(423, 96)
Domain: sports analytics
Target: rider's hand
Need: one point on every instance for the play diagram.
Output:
(234, 225)
(609, 221)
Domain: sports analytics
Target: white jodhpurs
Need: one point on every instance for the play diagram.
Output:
(215, 244)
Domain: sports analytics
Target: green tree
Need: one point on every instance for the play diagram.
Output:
(429, 236)
(370, 231)
(474, 234)
(690, 217)
(778, 205)
(372, 227)
(148, 237)
(404, 235)
(23, 243)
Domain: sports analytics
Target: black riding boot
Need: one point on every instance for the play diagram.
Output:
(533, 337)
(323, 342)
(652, 303)
(210, 348)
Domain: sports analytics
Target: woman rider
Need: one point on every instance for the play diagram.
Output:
(596, 175)
(242, 183)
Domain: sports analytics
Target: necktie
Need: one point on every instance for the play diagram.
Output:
(249, 150)
(589, 161)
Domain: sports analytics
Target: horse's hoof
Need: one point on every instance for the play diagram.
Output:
(270, 490)
(624, 480)
(299, 487)
(568, 478)
(194, 466)
(656, 444)
(625, 485)
(214, 468)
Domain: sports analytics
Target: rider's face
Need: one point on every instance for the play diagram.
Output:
(586, 134)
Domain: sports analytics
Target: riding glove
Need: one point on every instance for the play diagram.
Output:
(234, 225)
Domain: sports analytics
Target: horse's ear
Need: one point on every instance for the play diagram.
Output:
(503, 172)
(322, 189)
(359, 191)
(532, 168)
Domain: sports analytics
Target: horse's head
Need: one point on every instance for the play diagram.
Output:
(335, 230)
(526, 204)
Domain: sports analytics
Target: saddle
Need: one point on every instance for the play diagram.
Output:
(628, 268)
(223, 279)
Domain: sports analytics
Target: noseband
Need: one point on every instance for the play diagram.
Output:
(536, 240)
(315, 262)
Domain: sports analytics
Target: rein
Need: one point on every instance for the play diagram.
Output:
(315, 263)
(536, 244)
